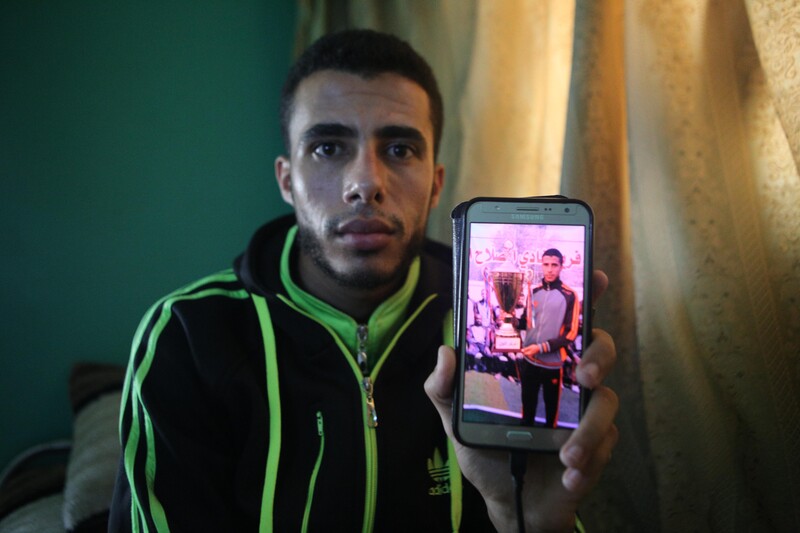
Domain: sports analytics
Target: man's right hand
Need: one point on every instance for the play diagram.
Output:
(555, 485)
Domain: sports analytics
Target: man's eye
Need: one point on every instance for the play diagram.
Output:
(401, 151)
(328, 149)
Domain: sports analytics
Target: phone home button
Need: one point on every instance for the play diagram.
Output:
(519, 436)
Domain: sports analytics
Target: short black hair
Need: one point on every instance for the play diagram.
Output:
(366, 53)
(552, 252)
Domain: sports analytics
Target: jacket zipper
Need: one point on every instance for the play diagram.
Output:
(370, 439)
(545, 303)
(369, 413)
(366, 379)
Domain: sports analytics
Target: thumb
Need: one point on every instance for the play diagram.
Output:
(439, 385)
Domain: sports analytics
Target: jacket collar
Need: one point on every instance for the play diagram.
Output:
(549, 286)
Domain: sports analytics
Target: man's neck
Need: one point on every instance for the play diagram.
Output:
(358, 303)
(551, 284)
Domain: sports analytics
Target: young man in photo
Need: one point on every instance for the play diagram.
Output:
(556, 313)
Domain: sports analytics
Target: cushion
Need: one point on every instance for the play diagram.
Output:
(95, 390)
(31, 490)
(42, 515)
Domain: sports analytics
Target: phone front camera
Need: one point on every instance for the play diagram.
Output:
(566, 209)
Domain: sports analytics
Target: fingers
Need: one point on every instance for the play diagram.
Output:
(598, 360)
(600, 356)
(529, 350)
(599, 285)
(580, 481)
(589, 447)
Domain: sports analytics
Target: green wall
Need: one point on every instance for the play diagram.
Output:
(136, 149)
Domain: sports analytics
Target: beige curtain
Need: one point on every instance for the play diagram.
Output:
(715, 207)
(679, 122)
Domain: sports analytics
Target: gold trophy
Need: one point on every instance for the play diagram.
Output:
(507, 287)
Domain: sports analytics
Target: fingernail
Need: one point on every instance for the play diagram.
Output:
(572, 479)
(439, 356)
(572, 456)
(593, 373)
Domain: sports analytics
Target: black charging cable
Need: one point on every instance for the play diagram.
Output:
(519, 463)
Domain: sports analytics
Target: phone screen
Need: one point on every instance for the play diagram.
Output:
(526, 275)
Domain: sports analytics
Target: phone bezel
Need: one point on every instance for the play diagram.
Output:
(550, 211)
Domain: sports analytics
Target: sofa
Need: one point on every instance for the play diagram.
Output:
(66, 485)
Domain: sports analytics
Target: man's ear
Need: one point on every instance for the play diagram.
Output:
(283, 174)
(438, 184)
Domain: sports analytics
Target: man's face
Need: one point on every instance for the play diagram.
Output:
(551, 268)
(360, 176)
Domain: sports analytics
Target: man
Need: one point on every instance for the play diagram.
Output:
(287, 394)
(479, 353)
(482, 310)
(556, 314)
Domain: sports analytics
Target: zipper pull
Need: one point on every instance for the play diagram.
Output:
(320, 430)
(366, 381)
(372, 414)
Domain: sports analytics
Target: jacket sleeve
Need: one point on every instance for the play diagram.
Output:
(174, 472)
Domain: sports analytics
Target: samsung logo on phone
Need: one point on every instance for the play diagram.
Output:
(516, 216)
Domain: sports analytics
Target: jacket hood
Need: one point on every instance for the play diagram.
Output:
(259, 266)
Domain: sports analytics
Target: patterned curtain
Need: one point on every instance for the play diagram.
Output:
(679, 122)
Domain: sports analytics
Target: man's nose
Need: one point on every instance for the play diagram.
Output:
(365, 179)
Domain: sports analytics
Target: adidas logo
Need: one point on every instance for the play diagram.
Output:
(439, 471)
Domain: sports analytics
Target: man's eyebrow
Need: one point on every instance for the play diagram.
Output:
(401, 132)
(335, 129)
(323, 130)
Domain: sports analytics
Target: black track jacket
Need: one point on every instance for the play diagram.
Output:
(241, 413)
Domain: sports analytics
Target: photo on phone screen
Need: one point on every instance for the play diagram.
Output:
(525, 282)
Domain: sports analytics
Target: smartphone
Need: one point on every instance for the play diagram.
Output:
(522, 293)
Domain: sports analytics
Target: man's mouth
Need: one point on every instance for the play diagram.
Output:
(365, 234)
